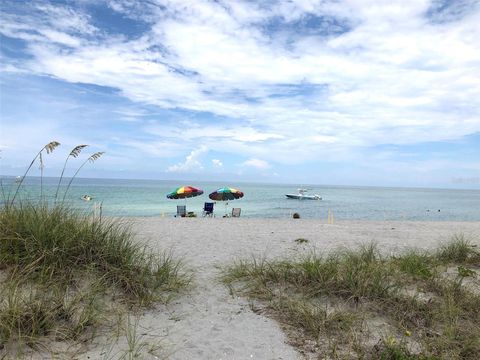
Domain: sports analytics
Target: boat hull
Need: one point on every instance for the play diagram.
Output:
(303, 197)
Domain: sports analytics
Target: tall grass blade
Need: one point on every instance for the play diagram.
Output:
(48, 148)
(41, 175)
(91, 159)
(74, 153)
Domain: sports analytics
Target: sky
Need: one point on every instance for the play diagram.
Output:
(340, 92)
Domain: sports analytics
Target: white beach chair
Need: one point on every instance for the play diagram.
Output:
(236, 212)
(181, 211)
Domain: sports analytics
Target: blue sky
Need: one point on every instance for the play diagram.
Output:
(354, 92)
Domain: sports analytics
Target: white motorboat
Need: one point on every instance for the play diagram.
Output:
(303, 196)
(18, 179)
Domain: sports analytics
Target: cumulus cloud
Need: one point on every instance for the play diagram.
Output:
(192, 162)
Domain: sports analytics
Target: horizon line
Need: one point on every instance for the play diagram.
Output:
(258, 182)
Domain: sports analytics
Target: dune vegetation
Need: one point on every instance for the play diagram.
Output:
(62, 272)
(65, 273)
(362, 304)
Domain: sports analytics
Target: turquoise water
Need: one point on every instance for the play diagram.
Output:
(148, 198)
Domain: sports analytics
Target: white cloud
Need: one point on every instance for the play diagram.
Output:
(235, 132)
(394, 78)
(46, 23)
(257, 163)
(217, 163)
(191, 163)
(152, 148)
(65, 18)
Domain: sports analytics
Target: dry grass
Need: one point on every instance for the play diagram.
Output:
(429, 316)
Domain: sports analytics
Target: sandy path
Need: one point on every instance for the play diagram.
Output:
(208, 323)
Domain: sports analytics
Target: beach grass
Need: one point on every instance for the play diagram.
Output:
(459, 251)
(30, 312)
(62, 271)
(360, 303)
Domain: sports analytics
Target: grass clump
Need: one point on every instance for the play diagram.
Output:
(301, 241)
(390, 349)
(460, 251)
(314, 318)
(30, 312)
(60, 266)
(44, 243)
(417, 264)
(428, 315)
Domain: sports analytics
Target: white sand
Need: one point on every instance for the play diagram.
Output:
(208, 323)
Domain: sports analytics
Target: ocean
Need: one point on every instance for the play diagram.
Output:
(148, 198)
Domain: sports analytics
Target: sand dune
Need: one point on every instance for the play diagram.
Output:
(210, 323)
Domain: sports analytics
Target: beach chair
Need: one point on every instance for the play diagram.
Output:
(208, 209)
(236, 212)
(181, 211)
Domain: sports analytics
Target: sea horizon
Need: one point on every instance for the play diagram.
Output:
(228, 182)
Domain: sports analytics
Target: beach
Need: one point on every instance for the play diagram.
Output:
(208, 322)
(240, 179)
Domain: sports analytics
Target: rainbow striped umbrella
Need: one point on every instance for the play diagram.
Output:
(225, 194)
(184, 192)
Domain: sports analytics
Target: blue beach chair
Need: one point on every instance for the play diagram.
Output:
(208, 209)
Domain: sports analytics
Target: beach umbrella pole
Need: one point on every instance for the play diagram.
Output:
(183, 193)
(225, 194)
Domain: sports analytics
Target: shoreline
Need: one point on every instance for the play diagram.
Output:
(258, 218)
